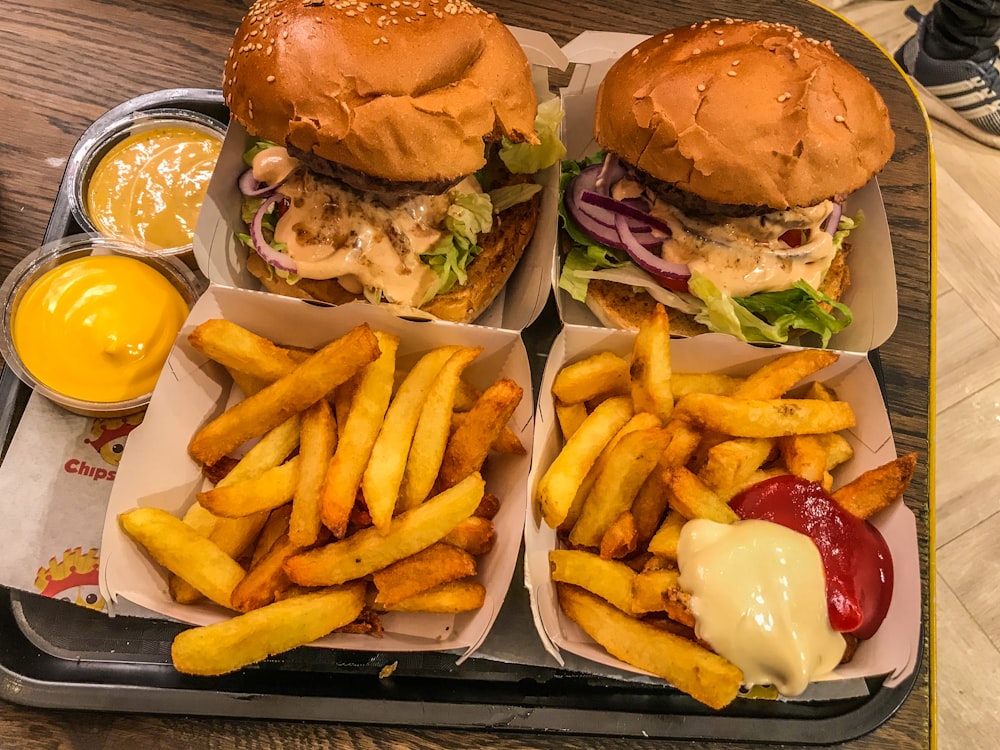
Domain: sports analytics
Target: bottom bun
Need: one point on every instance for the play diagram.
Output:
(502, 248)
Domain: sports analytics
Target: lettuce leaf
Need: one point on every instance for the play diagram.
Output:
(510, 195)
(469, 215)
(255, 149)
(528, 158)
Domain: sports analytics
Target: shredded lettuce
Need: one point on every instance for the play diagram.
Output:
(469, 215)
(510, 195)
(528, 158)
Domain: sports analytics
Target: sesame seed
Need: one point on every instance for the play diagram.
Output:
(735, 63)
(701, 86)
(722, 42)
(696, 51)
(635, 52)
(840, 118)
(796, 54)
(731, 73)
(271, 79)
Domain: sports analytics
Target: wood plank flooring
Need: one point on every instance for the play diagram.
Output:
(967, 413)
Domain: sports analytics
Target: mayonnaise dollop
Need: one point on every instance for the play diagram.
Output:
(759, 599)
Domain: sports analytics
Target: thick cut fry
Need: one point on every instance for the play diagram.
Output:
(703, 675)
(439, 563)
(758, 476)
(689, 496)
(609, 579)
(354, 447)
(340, 400)
(649, 587)
(598, 376)
(247, 384)
(778, 376)
(252, 637)
(684, 439)
(683, 383)
(489, 506)
(447, 598)
(506, 442)
(384, 474)
(271, 489)
(649, 507)
(368, 550)
(304, 386)
(837, 449)
(819, 391)
(804, 456)
(559, 485)
(570, 417)
(183, 551)
(469, 445)
(650, 370)
(316, 446)
(731, 462)
(877, 488)
(265, 580)
(629, 463)
(475, 534)
(275, 528)
(769, 418)
(433, 428)
(620, 538)
(664, 541)
(244, 351)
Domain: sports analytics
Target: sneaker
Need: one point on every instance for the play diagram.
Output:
(964, 94)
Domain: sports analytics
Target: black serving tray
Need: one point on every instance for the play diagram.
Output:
(56, 654)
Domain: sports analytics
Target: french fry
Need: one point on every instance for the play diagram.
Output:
(650, 370)
(570, 417)
(664, 541)
(317, 442)
(271, 489)
(731, 462)
(183, 551)
(265, 580)
(703, 675)
(475, 534)
(777, 377)
(758, 476)
(340, 400)
(439, 563)
(241, 350)
(716, 383)
(877, 488)
(649, 507)
(837, 449)
(304, 386)
(649, 588)
(620, 538)
(275, 528)
(559, 485)
(430, 436)
(689, 496)
(446, 598)
(597, 376)
(767, 418)
(384, 473)
(354, 446)
(368, 550)
(629, 463)
(609, 579)
(506, 442)
(489, 506)
(252, 637)
(469, 445)
(805, 456)
(820, 391)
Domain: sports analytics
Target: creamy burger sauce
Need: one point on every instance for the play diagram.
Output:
(331, 234)
(758, 596)
(763, 263)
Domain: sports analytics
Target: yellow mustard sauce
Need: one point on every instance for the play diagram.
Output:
(149, 187)
(98, 328)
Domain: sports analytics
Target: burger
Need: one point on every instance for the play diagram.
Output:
(727, 150)
(394, 151)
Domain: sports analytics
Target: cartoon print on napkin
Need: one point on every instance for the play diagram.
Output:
(74, 578)
(107, 437)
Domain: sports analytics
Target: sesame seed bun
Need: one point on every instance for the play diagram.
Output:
(400, 91)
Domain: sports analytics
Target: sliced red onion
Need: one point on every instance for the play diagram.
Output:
(833, 220)
(606, 235)
(623, 208)
(262, 246)
(252, 188)
(610, 172)
(586, 181)
(671, 275)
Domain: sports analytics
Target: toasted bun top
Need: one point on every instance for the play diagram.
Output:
(398, 91)
(744, 113)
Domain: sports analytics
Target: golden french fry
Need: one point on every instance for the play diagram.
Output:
(506, 442)
(241, 350)
(489, 506)
(650, 370)
(559, 485)
(877, 488)
(597, 376)
(433, 428)
(767, 418)
(469, 445)
(183, 551)
(317, 442)
(304, 386)
(384, 475)
(465, 395)
(777, 377)
(609, 579)
(340, 400)
(628, 465)
(570, 417)
(266, 579)
(275, 528)
(649, 587)
(271, 489)
(820, 391)
(354, 447)
(664, 541)
(731, 462)
(689, 496)
(649, 507)
(252, 637)
(703, 675)
(446, 598)
(683, 383)
(475, 534)
(439, 563)
(758, 476)
(804, 456)
(620, 538)
(837, 449)
(368, 549)
(248, 384)
(684, 441)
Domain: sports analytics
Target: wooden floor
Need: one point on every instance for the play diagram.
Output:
(968, 414)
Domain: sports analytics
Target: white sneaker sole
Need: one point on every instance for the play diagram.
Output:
(943, 113)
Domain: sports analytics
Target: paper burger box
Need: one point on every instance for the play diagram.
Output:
(872, 293)
(893, 651)
(221, 256)
(156, 470)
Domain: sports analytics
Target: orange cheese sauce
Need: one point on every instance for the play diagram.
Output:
(148, 189)
(98, 328)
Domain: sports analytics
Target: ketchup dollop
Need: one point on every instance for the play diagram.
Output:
(856, 559)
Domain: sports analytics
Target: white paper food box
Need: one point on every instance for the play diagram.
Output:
(894, 649)
(872, 293)
(221, 256)
(157, 471)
